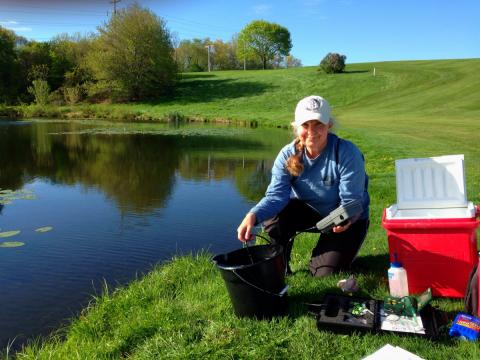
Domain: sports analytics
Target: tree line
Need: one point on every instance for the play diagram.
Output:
(133, 57)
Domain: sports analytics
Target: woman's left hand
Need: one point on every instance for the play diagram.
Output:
(341, 228)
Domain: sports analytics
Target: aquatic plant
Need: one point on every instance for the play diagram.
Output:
(6, 234)
(11, 244)
(44, 229)
(8, 195)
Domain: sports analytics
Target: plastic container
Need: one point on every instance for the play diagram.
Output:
(397, 280)
(255, 280)
(432, 227)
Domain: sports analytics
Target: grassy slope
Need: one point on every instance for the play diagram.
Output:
(182, 310)
(445, 88)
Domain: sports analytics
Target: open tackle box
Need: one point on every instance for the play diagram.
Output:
(346, 314)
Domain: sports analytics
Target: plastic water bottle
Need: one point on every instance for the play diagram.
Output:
(397, 279)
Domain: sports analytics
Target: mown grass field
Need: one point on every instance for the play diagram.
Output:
(181, 310)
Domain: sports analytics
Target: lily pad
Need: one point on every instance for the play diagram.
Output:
(6, 234)
(7, 195)
(44, 229)
(11, 244)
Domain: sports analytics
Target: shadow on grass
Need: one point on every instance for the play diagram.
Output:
(213, 89)
(307, 303)
(373, 264)
(195, 76)
(205, 88)
(356, 71)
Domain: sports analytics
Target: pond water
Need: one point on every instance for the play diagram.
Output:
(119, 198)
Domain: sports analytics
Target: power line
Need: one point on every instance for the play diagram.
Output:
(193, 33)
(196, 23)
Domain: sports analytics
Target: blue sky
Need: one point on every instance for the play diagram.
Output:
(364, 31)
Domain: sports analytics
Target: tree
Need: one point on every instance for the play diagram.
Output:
(8, 67)
(68, 54)
(34, 62)
(192, 55)
(224, 57)
(292, 61)
(134, 50)
(333, 63)
(263, 40)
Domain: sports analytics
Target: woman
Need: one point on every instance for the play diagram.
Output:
(312, 176)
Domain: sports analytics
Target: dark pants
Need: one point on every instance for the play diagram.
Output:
(333, 252)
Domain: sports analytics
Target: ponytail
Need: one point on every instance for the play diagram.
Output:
(294, 164)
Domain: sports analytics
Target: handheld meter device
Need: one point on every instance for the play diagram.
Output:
(340, 215)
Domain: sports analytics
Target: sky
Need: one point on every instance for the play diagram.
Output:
(364, 31)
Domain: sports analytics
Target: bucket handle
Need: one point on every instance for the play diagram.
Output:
(280, 294)
(260, 236)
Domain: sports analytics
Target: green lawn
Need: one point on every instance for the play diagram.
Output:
(400, 90)
(182, 310)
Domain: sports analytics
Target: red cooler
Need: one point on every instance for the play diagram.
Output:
(432, 227)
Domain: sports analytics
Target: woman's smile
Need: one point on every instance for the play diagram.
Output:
(313, 134)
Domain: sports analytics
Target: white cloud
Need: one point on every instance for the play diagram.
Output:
(9, 22)
(19, 29)
(261, 9)
(13, 25)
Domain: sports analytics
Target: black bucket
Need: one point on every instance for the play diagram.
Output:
(255, 280)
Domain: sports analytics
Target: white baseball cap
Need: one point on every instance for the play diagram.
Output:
(312, 108)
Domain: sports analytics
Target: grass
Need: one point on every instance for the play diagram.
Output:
(400, 90)
(181, 310)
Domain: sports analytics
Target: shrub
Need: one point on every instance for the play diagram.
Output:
(175, 117)
(56, 98)
(40, 91)
(104, 91)
(333, 63)
(195, 68)
(72, 95)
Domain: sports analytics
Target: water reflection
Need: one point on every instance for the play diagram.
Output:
(118, 203)
(136, 171)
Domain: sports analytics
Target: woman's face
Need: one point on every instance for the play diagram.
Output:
(313, 134)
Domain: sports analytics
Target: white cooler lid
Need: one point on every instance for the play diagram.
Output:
(436, 182)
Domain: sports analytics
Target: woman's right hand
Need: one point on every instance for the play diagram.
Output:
(245, 228)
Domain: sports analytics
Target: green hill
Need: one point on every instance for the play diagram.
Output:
(442, 89)
(401, 91)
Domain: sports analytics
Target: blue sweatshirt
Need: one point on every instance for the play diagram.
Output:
(336, 177)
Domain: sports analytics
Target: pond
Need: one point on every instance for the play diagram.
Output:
(99, 203)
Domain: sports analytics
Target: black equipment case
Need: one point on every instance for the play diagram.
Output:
(334, 313)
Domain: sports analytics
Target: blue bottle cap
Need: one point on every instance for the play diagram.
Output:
(395, 263)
